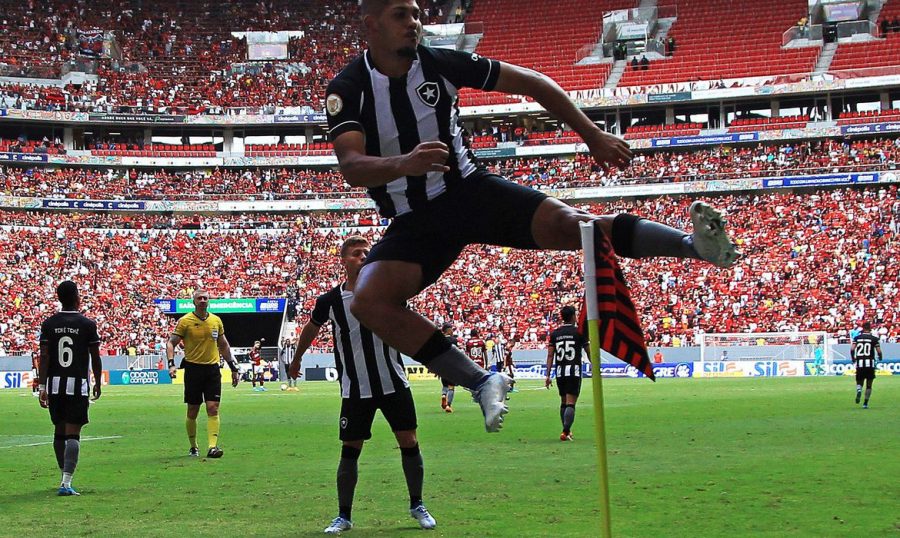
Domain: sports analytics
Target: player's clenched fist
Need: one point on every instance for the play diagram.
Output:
(427, 157)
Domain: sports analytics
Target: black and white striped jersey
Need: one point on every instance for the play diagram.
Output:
(68, 337)
(864, 351)
(366, 366)
(397, 114)
(567, 344)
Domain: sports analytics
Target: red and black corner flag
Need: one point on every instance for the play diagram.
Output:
(620, 330)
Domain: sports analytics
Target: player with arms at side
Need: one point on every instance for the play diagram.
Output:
(863, 350)
(393, 118)
(69, 340)
(372, 378)
(256, 367)
(448, 389)
(204, 340)
(476, 349)
(564, 351)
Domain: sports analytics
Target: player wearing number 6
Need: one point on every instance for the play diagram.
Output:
(564, 352)
(863, 350)
(68, 338)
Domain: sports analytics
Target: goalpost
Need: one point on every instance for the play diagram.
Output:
(813, 346)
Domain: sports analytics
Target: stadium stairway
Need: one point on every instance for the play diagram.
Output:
(823, 64)
(615, 74)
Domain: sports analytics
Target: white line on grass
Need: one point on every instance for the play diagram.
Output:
(51, 442)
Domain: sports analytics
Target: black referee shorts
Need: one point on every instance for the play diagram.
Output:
(568, 385)
(864, 374)
(65, 409)
(481, 209)
(202, 383)
(357, 414)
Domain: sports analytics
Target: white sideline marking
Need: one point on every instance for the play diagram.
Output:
(51, 442)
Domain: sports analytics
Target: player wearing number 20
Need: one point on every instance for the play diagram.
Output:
(69, 341)
(564, 351)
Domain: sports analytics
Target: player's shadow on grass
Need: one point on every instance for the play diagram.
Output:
(28, 498)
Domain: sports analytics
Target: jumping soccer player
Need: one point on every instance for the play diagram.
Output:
(863, 350)
(393, 119)
(372, 378)
(204, 340)
(564, 351)
(68, 338)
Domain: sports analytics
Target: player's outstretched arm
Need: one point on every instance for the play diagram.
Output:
(307, 335)
(225, 351)
(97, 368)
(361, 170)
(607, 149)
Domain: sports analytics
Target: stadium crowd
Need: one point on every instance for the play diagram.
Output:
(820, 260)
(725, 162)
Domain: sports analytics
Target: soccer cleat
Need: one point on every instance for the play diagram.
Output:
(448, 409)
(443, 402)
(566, 437)
(66, 491)
(420, 514)
(490, 396)
(214, 452)
(865, 406)
(339, 525)
(858, 395)
(194, 453)
(709, 237)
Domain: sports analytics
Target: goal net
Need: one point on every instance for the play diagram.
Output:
(814, 346)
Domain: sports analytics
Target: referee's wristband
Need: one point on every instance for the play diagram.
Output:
(171, 363)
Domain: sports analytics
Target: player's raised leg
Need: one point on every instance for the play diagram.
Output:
(555, 226)
(382, 291)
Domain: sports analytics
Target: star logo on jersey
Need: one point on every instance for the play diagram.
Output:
(429, 93)
(344, 423)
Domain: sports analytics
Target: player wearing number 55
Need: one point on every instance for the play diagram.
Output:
(68, 338)
(564, 351)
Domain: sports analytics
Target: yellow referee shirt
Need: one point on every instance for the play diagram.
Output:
(200, 337)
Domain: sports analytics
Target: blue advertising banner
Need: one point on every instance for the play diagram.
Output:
(258, 305)
(846, 367)
(893, 127)
(825, 179)
(23, 157)
(300, 118)
(139, 377)
(707, 139)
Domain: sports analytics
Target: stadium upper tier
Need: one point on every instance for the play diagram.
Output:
(720, 162)
(173, 57)
(814, 261)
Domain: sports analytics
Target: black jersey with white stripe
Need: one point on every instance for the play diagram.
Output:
(397, 114)
(366, 366)
(865, 345)
(567, 344)
(68, 337)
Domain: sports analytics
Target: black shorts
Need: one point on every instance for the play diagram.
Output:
(202, 383)
(357, 414)
(568, 385)
(66, 409)
(482, 209)
(446, 383)
(864, 374)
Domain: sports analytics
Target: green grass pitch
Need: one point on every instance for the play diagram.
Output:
(693, 458)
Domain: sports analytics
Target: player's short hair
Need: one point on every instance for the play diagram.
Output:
(198, 291)
(567, 312)
(372, 7)
(351, 242)
(67, 293)
(867, 326)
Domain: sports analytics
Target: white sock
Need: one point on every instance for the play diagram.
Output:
(67, 480)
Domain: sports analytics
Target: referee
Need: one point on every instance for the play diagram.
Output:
(204, 341)
(372, 378)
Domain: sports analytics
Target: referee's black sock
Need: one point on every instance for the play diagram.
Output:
(59, 447)
(414, 471)
(347, 475)
(450, 363)
(635, 237)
